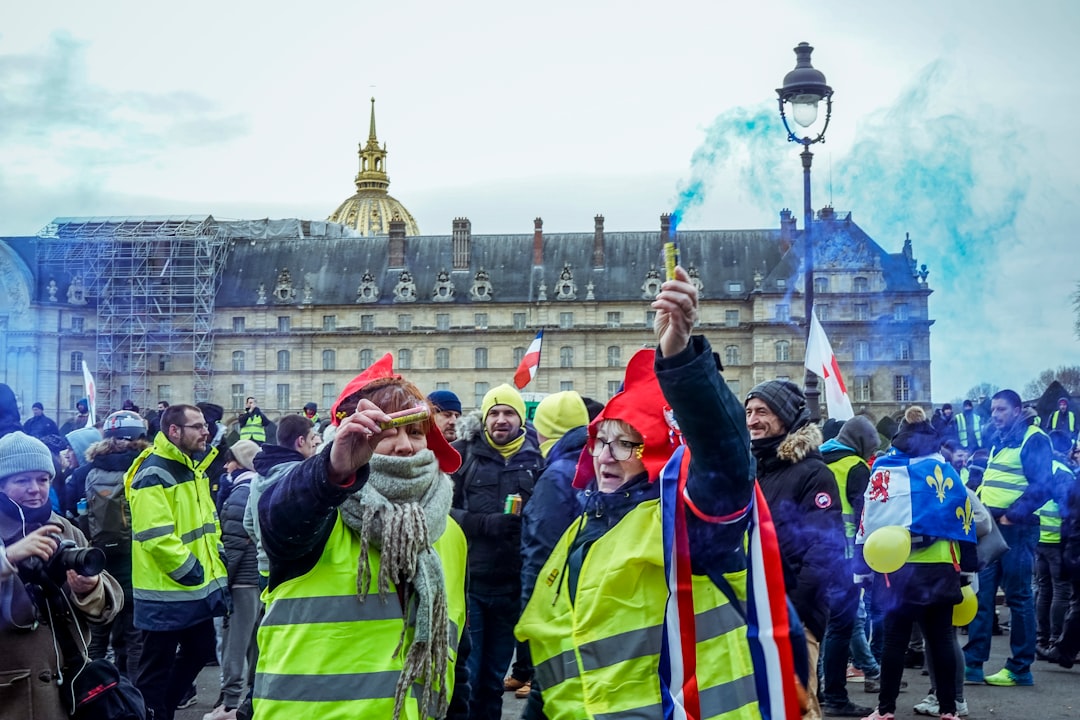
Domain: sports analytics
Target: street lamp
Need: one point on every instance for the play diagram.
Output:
(804, 87)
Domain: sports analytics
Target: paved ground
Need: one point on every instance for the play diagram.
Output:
(1055, 696)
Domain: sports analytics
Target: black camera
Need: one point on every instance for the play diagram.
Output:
(86, 561)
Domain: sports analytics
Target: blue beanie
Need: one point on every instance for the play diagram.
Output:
(445, 400)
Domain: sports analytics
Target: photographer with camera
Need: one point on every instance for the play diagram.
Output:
(48, 577)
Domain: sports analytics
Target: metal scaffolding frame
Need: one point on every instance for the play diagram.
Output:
(154, 281)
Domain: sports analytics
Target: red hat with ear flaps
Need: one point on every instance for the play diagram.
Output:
(448, 457)
(640, 404)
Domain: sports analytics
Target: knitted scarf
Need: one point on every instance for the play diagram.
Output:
(402, 511)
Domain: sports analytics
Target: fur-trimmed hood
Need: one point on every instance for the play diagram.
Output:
(799, 444)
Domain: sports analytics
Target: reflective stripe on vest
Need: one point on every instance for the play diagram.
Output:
(610, 635)
(1050, 513)
(253, 429)
(976, 429)
(325, 653)
(840, 470)
(1004, 481)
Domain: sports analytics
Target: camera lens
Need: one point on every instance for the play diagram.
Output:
(84, 561)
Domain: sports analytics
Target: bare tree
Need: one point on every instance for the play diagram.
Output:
(1067, 375)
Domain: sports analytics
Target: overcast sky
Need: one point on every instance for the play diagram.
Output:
(950, 123)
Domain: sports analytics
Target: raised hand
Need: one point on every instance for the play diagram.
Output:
(676, 313)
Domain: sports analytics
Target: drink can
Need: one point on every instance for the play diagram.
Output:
(512, 505)
(80, 507)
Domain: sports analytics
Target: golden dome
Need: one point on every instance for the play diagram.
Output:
(372, 208)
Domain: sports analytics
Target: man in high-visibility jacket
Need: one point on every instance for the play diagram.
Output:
(1017, 482)
(253, 422)
(1063, 419)
(1052, 587)
(969, 428)
(178, 577)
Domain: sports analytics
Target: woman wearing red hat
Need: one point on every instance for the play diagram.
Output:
(633, 614)
(370, 517)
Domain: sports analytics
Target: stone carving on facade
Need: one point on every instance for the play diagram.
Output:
(651, 287)
(695, 280)
(541, 292)
(837, 253)
(284, 291)
(262, 294)
(405, 290)
(76, 293)
(368, 290)
(16, 293)
(565, 289)
(758, 279)
(589, 291)
(444, 287)
(52, 289)
(308, 291)
(482, 290)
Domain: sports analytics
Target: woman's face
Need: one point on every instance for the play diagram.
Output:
(403, 441)
(28, 489)
(614, 438)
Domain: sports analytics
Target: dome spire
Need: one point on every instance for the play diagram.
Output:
(372, 175)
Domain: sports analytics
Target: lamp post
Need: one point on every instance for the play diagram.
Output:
(804, 87)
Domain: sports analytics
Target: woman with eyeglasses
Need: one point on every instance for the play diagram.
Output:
(599, 622)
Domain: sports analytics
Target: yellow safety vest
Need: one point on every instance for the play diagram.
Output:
(597, 655)
(840, 469)
(976, 429)
(1050, 513)
(1004, 481)
(174, 526)
(326, 654)
(1072, 421)
(253, 429)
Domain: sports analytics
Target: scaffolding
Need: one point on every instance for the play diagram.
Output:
(153, 281)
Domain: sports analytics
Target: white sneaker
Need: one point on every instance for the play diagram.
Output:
(927, 706)
(220, 713)
(961, 708)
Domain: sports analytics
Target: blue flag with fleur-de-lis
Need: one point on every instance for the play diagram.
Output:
(924, 494)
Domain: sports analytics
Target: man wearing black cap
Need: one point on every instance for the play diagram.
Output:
(804, 500)
(447, 411)
(38, 425)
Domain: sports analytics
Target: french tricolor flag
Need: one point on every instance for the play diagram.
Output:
(527, 369)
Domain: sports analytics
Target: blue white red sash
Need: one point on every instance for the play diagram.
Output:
(765, 610)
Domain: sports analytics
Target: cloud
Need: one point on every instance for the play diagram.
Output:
(58, 123)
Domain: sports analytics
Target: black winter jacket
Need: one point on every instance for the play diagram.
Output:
(805, 503)
(480, 489)
(241, 559)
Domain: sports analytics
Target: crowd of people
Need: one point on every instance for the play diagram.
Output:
(677, 548)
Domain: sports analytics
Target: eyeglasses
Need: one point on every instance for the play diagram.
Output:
(197, 426)
(620, 449)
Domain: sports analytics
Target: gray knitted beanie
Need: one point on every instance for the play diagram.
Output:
(21, 453)
(785, 399)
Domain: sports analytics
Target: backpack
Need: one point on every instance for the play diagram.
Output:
(107, 510)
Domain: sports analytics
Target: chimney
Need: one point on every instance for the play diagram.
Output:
(787, 229)
(462, 239)
(397, 242)
(827, 213)
(598, 242)
(538, 242)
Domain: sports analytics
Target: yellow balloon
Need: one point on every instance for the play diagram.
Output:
(963, 612)
(887, 548)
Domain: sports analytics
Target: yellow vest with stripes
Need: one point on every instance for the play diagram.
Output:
(1004, 481)
(840, 469)
(1050, 513)
(597, 655)
(324, 653)
(976, 429)
(1069, 415)
(253, 429)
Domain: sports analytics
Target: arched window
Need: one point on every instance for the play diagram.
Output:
(903, 350)
(481, 358)
(519, 355)
(821, 284)
(862, 350)
(76, 361)
(366, 358)
(731, 355)
(404, 359)
(783, 351)
(329, 359)
(238, 361)
(442, 359)
(284, 361)
(860, 285)
(614, 356)
(566, 357)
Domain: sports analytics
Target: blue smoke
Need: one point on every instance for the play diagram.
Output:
(923, 166)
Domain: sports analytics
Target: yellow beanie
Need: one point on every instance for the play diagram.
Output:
(556, 415)
(503, 395)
